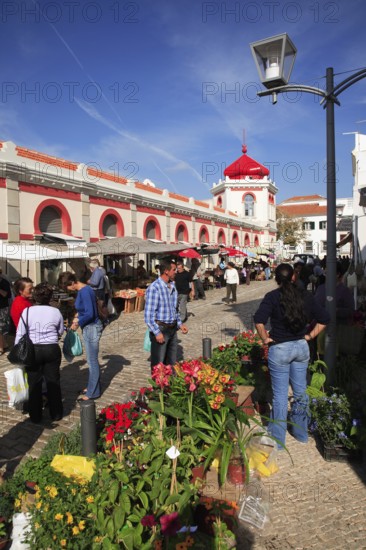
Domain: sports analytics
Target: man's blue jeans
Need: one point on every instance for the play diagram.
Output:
(164, 353)
(288, 363)
(91, 337)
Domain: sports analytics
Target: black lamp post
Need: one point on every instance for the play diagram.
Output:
(274, 58)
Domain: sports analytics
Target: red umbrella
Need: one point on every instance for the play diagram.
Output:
(233, 252)
(189, 253)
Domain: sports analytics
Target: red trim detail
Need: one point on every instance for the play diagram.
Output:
(94, 239)
(185, 233)
(109, 202)
(2, 182)
(65, 217)
(47, 159)
(223, 225)
(26, 237)
(181, 216)
(149, 210)
(178, 197)
(48, 191)
(157, 228)
(3, 235)
(249, 189)
(203, 220)
(201, 203)
(111, 212)
(148, 188)
(106, 175)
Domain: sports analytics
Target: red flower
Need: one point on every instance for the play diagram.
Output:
(170, 524)
(148, 521)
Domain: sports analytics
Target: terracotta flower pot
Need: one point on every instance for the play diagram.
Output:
(198, 472)
(236, 473)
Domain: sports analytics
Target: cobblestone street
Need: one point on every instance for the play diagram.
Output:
(313, 504)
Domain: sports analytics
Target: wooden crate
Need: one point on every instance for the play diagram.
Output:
(129, 305)
(140, 303)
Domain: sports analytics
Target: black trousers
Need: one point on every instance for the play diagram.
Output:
(164, 353)
(48, 360)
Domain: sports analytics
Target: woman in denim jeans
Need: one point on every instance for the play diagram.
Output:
(87, 319)
(289, 310)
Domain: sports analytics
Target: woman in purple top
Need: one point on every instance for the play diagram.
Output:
(45, 327)
(289, 310)
(87, 319)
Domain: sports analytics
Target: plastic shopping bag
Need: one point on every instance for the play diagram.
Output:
(72, 345)
(147, 342)
(78, 467)
(110, 307)
(17, 386)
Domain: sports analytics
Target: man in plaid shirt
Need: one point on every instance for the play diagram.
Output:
(162, 316)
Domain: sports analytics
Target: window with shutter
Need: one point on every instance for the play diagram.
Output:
(50, 220)
(109, 226)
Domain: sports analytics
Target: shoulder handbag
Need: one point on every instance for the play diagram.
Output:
(23, 352)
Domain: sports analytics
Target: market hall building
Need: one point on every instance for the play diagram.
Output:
(45, 198)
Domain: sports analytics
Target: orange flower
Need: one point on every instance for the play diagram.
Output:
(224, 378)
(218, 388)
(219, 398)
(189, 541)
(208, 391)
(214, 405)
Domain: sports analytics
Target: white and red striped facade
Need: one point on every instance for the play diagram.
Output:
(91, 204)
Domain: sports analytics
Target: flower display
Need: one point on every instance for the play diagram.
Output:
(249, 346)
(161, 374)
(116, 422)
(331, 418)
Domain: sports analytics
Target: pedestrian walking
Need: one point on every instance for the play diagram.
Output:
(289, 310)
(232, 281)
(196, 274)
(88, 320)
(183, 285)
(162, 316)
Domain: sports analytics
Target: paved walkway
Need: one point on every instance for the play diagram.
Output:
(313, 504)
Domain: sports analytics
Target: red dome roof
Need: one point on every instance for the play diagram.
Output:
(245, 166)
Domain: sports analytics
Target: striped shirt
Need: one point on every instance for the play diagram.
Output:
(161, 304)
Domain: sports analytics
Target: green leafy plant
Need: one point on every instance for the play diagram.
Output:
(3, 530)
(332, 419)
(225, 358)
(318, 378)
(248, 346)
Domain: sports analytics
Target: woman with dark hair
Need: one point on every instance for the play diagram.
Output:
(87, 318)
(23, 289)
(289, 310)
(45, 327)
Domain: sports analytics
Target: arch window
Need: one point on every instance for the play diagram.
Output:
(246, 240)
(249, 205)
(219, 202)
(181, 233)
(50, 220)
(109, 227)
(256, 241)
(235, 239)
(221, 237)
(203, 238)
(151, 228)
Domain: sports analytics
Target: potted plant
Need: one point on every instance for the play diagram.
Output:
(248, 346)
(333, 424)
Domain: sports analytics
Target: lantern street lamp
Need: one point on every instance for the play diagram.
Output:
(274, 58)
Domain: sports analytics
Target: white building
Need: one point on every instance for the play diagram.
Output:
(312, 209)
(359, 192)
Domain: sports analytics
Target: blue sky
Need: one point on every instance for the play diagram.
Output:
(163, 90)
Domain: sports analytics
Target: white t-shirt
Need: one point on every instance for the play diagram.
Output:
(231, 276)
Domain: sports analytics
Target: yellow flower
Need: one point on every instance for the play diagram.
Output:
(59, 516)
(37, 525)
(219, 398)
(217, 388)
(75, 530)
(189, 541)
(53, 492)
(73, 491)
(39, 505)
(82, 525)
(224, 378)
(181, 546)
(17, 503)
(90, 499)
(54, 537)
(63, 542)
(46, 508)
(20, 495)
(98, 539)
(70, 519)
